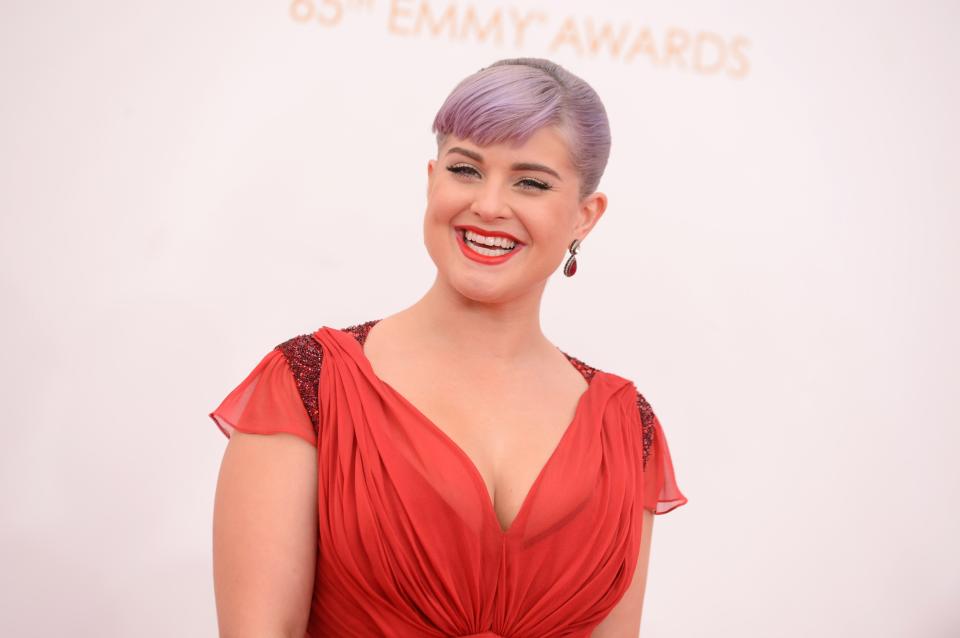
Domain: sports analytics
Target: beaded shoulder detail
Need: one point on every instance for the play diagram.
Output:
(305, 356)
(647, 419)
(360, 330)
(585, 369)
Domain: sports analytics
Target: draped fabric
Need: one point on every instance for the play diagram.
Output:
(409, 542)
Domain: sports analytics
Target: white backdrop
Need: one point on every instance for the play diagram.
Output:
(185, 185)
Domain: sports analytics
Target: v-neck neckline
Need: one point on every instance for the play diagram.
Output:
(588, 372)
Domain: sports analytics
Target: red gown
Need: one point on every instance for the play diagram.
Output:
(409, 543)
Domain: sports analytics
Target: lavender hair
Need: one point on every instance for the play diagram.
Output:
(512, 99)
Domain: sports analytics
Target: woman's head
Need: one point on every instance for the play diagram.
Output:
(521, 147)
(511, 99)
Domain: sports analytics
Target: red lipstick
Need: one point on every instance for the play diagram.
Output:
(489, 260)
(490, 233)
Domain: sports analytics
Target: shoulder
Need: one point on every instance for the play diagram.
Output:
(648, 420)
(588, 371)
(304, 356)
(303, 353)
(648, 423)
(647, 416)
(643, 406)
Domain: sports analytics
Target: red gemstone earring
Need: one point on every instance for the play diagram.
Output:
(570, 268)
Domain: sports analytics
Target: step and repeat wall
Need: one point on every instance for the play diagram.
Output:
(185, 185)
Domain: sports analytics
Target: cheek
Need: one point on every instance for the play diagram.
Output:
(443, 206)
(551, 227)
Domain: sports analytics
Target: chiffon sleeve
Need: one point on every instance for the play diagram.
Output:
(661, 492)
(267, 401)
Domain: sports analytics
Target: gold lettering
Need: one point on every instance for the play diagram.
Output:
(448, 19)
(301, 10)
(706, 40)
(520, 23)
(736, 49)
(395, 12)
(703, 52)
(643, 45)
(567, 35)
(677, 42)
(495, 22)
(595, 41)
(333, 17)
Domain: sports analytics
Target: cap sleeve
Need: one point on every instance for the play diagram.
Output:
(661, 494)
(269, 400)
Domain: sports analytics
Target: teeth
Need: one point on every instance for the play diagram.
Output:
(501, 242)
(491, 252)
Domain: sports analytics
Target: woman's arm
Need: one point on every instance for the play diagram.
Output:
(265, 536)
(623, 621)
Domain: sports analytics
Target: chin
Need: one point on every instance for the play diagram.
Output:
(491, 290)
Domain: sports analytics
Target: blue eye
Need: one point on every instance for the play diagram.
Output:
(463, 169)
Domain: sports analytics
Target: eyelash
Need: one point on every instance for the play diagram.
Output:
(463, 169)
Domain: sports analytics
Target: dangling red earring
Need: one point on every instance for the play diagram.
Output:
(570, 268)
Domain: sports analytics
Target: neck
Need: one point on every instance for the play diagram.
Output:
(506, 330)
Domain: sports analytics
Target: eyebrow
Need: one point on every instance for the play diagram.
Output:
(519, 166)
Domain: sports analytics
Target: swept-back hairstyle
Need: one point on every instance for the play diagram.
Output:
(511, 99)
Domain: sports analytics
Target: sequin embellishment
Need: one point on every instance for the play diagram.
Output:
(646, 417)
(305, 356)
(586, 370)
(360, 330)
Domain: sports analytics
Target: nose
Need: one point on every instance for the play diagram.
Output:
(489, 202)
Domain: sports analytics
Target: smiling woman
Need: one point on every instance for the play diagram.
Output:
(447, 470)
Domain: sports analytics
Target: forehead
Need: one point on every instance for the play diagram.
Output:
(546, 146)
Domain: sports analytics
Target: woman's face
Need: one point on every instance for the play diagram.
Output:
(530, 192)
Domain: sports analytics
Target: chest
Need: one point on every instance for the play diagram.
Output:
(508, 425)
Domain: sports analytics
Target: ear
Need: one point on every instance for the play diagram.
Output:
(430, 168)
(591, 209)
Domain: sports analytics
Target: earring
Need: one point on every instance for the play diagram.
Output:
(570, 268)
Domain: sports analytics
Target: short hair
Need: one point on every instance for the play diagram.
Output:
(513, 98)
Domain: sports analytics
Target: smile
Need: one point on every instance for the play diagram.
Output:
(486, 249)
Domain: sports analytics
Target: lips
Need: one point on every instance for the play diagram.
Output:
(488, 233)
(487, 260)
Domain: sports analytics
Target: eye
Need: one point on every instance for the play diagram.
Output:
(528, 182)
(462, 169)
(537, 184)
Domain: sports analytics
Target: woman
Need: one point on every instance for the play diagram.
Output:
(447, 471)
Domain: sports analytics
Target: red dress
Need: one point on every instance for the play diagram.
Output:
(409, 543)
